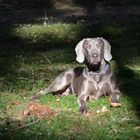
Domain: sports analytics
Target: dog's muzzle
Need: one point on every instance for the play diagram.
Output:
(95, 61)
(94, 66)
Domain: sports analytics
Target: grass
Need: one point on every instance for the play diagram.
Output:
(31, 56)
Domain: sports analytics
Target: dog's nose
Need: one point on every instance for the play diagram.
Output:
(95, 55)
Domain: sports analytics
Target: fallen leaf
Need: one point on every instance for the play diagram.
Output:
(98, 111)
(58, 100)
(113, 104)
(104, 109)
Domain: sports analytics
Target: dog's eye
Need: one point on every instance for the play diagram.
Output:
(99, 45)
(88, 45)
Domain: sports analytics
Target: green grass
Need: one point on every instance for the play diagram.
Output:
(31, 56)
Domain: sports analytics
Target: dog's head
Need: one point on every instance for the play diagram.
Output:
(93, 51)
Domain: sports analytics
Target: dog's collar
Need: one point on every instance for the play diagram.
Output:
(95, 76)
(104, 69)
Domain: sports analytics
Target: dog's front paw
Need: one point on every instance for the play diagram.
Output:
(83, 110)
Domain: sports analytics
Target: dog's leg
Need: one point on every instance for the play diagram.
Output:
(114, 98)
(60, 84)
(82, 103)
(114, 91)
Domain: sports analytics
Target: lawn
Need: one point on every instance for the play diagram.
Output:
(31, 56)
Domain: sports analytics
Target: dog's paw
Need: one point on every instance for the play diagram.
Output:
(83, 110)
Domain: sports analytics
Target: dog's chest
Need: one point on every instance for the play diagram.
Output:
(98, 81)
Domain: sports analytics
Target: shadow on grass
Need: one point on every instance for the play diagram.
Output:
(129, 86)
(91, 3)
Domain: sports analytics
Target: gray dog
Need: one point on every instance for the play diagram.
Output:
(95, 80)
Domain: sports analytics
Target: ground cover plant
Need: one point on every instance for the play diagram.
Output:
(31, 56)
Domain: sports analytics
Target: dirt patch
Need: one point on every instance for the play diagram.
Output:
(36, 109)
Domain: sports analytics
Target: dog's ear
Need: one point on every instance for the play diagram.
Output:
(80, 52)
(107, 50)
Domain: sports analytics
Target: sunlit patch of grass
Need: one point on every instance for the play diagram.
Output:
(65, 102)
(52, 33)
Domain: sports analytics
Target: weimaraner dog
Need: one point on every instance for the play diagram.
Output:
(95, 80)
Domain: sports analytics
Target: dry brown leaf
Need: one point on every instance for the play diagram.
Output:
(113, 104)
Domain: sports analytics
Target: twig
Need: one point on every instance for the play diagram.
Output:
(47, 59)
